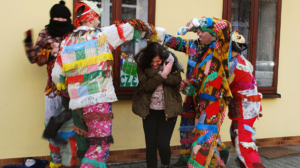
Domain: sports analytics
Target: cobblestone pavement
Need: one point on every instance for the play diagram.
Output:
(285, 162)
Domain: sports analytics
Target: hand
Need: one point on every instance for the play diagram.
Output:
(54, 45)
(167, 68)
(55, 48)
(55, 51)
(196, 148)
(28, 38)
(184, 83)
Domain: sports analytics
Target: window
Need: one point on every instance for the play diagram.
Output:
(125, 74)
(259, 22)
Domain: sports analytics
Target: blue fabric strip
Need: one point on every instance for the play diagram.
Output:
(209, 57)
(207, 96)
(81, 46)
(202, 118)
(209, 22)
(166, 39)
(183, 43)
(192, 63)
(212, 131)
(66, 135)
(250, 129)
(186, 128)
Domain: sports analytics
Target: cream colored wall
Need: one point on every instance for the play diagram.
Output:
(22, 84)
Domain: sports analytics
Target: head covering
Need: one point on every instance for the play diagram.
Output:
(90, 13)
(238, 42)
(60, 28)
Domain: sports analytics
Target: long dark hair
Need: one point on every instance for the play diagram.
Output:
(146, 55)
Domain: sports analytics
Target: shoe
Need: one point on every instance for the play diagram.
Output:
(54, 124)
(257, 165)
(179, 164)
(239, 163)
(225, 155)
(163, 166)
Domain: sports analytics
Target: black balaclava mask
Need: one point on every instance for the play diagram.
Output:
(58, 28)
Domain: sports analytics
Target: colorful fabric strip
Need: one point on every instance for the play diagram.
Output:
(250, 129)
(61, 86)
(66, 135)
(192, 63)
(85, 77)
(81, 46)
(186, 141)
(188, 115)
(212, 131)
(94, 163)
(54, 148)
(52, 165)
(194, 163)
(88, 61)
(211, 77)
(186, 128)
(62, 78)
(207, 96)
(209, 57)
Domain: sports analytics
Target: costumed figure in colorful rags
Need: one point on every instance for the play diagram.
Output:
(84, 68)
(62, 140)
(245, 107)
(206, 86)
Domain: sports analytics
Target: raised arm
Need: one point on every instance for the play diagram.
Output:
(38, 53)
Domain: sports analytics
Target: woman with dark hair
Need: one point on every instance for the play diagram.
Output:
(157, 100)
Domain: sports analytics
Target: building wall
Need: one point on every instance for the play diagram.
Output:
(22, 100)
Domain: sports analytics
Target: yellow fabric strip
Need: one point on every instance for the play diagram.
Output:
(101, 40)
(185, 152)
(61, 86)
(88, 61)
(52, 165)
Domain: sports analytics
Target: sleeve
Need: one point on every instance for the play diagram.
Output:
(173, 79)
(33, 52)
(177, 43)
(117, 35)
(58, 76)
(149, 84)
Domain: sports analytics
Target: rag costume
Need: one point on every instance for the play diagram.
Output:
(84, 68)
(61, 137)
(207, 94)
(245, 107)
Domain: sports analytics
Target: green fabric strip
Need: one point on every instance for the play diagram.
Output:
(204, 29)
(184, 159)
(62, 79)
(82, 143)
(191, 91)
(195, 163)
(136, 36)
(211, 77)
(94, 163)
(180, 44)
(93, 75)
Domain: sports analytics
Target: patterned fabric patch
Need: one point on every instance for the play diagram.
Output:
(80, 55)
(93, 87)
(220, 25)
(234, 109)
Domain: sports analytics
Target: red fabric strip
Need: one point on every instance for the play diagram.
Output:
(216, 83)
(121, 32)
(58, 60)
(73, 146)
(54, 149)
(212, 109)
(75, 79)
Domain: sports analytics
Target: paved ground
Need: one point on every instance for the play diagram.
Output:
(285, 162)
